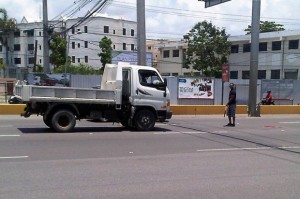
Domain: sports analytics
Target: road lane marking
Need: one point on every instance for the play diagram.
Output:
(6, 126)
(13, 157)
(241, 149)
(175, 132)
(289, 122)
(9, 135)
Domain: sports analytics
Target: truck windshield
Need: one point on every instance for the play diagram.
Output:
(149, 78)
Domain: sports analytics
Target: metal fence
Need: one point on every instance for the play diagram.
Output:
(284, 91)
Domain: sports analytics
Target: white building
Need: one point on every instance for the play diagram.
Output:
(83, 47)
(279, 56)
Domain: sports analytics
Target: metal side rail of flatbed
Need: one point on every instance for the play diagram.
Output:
(65, 94)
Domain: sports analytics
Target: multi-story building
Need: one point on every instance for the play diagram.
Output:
(279, 56)
(83, 40)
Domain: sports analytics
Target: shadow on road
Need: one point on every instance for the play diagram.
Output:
(105, 129)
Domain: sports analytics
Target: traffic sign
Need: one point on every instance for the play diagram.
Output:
(209, 3)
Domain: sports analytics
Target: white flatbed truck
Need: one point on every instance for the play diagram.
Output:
(135, 96)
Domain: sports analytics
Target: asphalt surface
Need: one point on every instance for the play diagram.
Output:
(189, 157)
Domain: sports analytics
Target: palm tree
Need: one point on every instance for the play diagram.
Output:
(7, 26)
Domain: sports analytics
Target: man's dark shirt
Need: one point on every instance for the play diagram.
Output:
(232, 97)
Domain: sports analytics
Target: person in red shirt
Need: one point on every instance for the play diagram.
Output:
(269, 98)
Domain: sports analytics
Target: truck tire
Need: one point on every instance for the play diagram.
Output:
(144, 120)
(47, 121)
(63, 121)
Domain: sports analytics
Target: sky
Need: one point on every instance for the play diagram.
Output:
(167, 19)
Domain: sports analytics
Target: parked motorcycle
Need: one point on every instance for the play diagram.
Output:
(15, 100)
(265, 102)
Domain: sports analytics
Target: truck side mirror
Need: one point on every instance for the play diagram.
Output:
(165, 82)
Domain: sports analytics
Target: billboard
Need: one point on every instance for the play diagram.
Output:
(196, 88)
(130, 57)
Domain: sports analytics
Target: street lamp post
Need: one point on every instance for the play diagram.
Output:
(67, 55)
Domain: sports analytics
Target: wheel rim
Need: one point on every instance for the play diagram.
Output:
(64, 121)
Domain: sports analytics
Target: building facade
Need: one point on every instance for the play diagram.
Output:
(83, 41)
(279, 56)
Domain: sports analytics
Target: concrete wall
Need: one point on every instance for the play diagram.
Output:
(17, 109)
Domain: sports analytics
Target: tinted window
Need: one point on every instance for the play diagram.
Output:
(246, 48)
(276, 45)
(293, 44)
(263, 46)
(234, 49)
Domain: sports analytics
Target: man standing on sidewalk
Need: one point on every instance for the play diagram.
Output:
(231, 105)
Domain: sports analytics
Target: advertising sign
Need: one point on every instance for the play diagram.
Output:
(225, 73)
(130, 57)
(199, 88)
(209, 3)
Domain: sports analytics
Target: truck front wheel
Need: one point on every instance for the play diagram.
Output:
(144, 120)
(63, 121)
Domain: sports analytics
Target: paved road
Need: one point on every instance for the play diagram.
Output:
(190, 157)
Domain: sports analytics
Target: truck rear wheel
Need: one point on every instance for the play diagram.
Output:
(47, 121)
(144, 120)
(63, 121)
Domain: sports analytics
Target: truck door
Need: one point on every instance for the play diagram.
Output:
(151, 90)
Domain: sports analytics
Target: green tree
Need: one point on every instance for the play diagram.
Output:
(58, 47)
(7, 27)
(266, 26)
(208, 49)
(106, 50)
(81, 69)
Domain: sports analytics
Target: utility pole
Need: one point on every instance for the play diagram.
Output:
(45, 38)
(254, 58)
(141, 32)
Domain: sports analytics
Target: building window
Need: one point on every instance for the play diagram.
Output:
(234, 48)
(40, 61)
(78, 45)
(17, 47)
(31, 60)
(246, 48)
(30, 46)
(85, 29)
(124, 31)
(73, 59)
(106, 29)
(114, 32)
(132, 32)
(276, 45)
(261, 74)
(73, 30)
(40, 34)
(293, 44)
(73, 45)
(166, 53)
(124, 46)
(17, 34)
(78, 60)
(149, 47)
(114, 46)
(30, 33)
(275, 74)
(233, 74)
(245, 74)
(0, 48)
(175, 53)
(40, 47)
(263, 46)
(86, 59)
(85, 44)
(17, 60)
(132, 47)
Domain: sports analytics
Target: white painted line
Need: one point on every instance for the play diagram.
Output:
(9, 135)
(13, 157)
(289, 122)
(175, 132)
(241, 149)
(5, 126)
